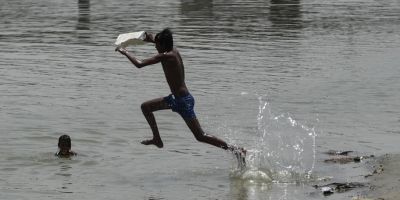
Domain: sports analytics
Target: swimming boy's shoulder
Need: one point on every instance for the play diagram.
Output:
(66, 155)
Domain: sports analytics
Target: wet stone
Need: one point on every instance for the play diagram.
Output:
(331, 188)
(343, 157)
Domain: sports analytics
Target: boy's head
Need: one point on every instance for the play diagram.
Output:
(164, 41)
(64, 143)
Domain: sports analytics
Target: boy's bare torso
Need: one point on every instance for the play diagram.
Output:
(174, 72)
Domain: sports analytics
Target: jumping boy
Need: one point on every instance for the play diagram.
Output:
(180, 101)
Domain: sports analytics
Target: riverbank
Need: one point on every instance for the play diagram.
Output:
(385, 179)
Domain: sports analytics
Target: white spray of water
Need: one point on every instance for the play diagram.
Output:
(284, 149)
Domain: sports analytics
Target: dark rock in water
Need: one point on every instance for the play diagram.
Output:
(337, 153)
(327, 190)
(330, 188)
(346, 159)
(343, 159)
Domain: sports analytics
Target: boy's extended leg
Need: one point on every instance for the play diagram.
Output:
(148, 108)
(199, 134)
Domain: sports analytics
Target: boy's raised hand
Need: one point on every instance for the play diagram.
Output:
(122, 50)
(148, 37)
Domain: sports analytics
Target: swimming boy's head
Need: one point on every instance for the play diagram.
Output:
(64, 143)
(164, 41)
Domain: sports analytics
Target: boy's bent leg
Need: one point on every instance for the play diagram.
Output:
(148, 108)
(200, 136)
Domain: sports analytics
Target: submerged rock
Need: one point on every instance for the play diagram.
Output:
(330, 188)
(337, 153)
(343, 157)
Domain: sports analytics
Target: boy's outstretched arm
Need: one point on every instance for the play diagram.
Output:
(139, 64)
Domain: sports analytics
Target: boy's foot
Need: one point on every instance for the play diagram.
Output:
(158, 143)
(240, 154)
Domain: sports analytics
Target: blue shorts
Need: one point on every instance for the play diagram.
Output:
(182, 105)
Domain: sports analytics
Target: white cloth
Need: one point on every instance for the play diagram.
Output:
(134, 38)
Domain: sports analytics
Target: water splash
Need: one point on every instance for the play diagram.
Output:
(284, 149)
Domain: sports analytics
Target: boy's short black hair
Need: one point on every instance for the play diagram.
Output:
(164, 38)
(65, 139)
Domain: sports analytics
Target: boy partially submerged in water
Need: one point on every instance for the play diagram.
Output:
(180, 101)
(64, 147)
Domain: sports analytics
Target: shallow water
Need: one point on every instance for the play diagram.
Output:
(287, 80)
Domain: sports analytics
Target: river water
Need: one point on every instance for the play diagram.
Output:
(287, 80)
